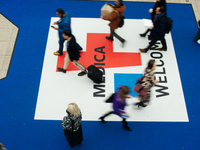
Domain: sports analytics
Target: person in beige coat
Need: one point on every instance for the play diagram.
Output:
(114, 19)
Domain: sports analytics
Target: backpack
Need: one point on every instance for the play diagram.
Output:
(168, 25)
(121, 22)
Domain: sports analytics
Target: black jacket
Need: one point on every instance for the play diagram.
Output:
(158, 31)
(72, 49)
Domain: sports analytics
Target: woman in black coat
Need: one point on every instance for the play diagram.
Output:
(72, 125)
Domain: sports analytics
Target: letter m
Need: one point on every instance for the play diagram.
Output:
(161, 90)
(100, 92)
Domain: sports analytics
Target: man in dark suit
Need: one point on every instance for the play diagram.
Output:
(73, 53)
(158, 30)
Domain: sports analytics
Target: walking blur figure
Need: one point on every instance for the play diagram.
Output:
(159, 3)
(72, 125)
(148, 81)
(114, 19)
(2, 146)
(157, 31)
(63, 24)
(119, 103)
(197, 37)
(73, 54)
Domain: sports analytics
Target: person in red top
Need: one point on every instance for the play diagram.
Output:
(114, 19)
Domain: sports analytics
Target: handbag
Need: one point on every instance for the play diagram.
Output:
(110, 99)
(138, 88)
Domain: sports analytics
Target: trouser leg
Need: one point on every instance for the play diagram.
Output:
(146, 31)
(125, 124)
(112, 33)
(61, 42)
(66, 62)
(153, 41)
(111, 112)
(164, 45)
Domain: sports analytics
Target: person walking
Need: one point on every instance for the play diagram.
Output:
(157, 31)
(114, 19)
(73, 53)
(148, 81)
(159, 3)
(63, 24)
(119, 103)
(72, 125)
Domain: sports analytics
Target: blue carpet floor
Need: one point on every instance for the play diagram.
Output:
(18, 92)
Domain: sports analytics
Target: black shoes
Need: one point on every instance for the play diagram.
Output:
(109, 38)
(102, 120)
(142, 35)
(140, 104)
(127, 128)
(61, 70)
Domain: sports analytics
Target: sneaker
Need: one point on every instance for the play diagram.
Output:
(57, 53)
(109, 38)
(61, 70)
(82, 73)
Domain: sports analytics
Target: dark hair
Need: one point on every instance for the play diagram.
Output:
(120, 2)
(67, 32)
(150, 64)
(123, 90)
(60, 11)
(162, 9)
(162, 1)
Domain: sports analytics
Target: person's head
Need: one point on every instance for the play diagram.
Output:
(123, 92)
(151, 65)
(66, 34)
(160, 10)
(60, 13)
(161, 1)
(118, 3)
(73, 109)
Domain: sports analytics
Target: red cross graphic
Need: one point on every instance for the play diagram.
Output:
(109, 58)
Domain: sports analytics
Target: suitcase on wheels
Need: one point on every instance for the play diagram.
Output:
(95, 74)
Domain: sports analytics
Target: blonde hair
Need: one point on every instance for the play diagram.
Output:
(73, 109)
(1, 146)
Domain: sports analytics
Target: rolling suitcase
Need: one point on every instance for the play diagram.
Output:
(95, 74)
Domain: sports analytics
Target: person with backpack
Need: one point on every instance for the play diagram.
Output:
(158, 30)
(159, 3)
(115, 20)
